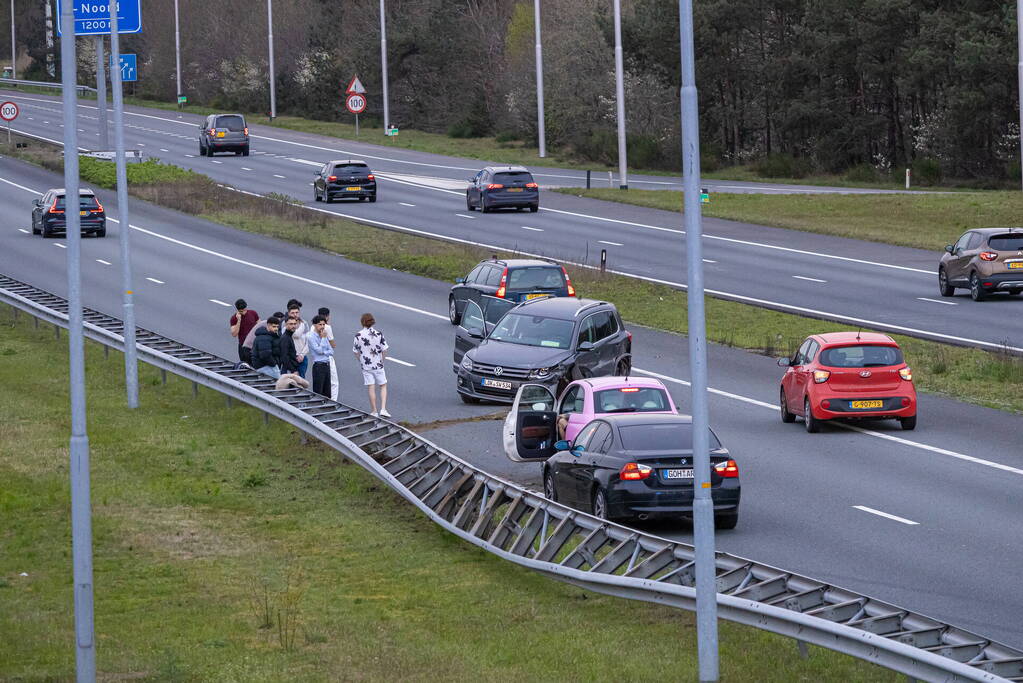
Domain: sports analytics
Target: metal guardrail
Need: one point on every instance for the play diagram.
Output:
(45, 84)
(566, 544)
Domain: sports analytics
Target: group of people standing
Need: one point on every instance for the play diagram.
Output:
(284, 346)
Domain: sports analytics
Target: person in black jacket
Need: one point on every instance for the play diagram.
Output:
(289, 353)
(266, 349)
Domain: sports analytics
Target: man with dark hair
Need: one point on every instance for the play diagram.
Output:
(250, 338)
(289, 359)
(320, 351)
(294, 309)
(335, 385)
(266, 349)
(241, 324)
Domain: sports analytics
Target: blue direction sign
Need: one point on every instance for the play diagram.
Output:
(92, 17)
(129, 70)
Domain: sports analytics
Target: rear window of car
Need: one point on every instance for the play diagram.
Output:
(661, 437)
(861, 356)
(351, 168)
(1006, 242)
(538, 277)
(513, 177)
(631, 400)
(235, 124)
(86, 202)
(532, 330)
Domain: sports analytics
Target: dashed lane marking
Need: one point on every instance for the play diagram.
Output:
(218, 301)
(872, 511)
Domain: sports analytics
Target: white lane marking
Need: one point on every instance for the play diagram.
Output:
(59, 245)
(81, 130)
(190, 156)
(164, 150)
(613, 244)
(809, 279)
(707, 260)
(526, 227)
(141, 144)
(23, 230)
(886, 515)
(851, 427)
(47, 122)
(153, 279)
(401, 362)
(245, 168)
(307, 162)
(105, 263)
(214, 161)
(937, 301)
(464, 215)
(216, 301)
(278, 176)
(406, 204)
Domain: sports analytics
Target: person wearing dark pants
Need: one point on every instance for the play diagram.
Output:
(320, 353)
(241, 324)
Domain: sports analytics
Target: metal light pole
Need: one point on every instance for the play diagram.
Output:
(623, 163)
(81, 513)
(703, 506)
(541, 137)
(270, 40)
(14, 49)
(51, 68)
(131, 364)
(1019, 73)
(383, 66)
(101, 92)
(177, 48)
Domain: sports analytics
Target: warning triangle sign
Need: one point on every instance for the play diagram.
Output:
(355, 87)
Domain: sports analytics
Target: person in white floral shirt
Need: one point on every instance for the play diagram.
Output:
(370, 348)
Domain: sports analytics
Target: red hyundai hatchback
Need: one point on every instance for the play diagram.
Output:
(847, 375)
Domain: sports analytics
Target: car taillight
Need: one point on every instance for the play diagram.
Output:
(629, 390)
(246, 129)
(988, 255)
(629, 335)
(727, 469)
(532, 186)
(633, 471)
(502, 289)
(821, 376)
(495, 186)
(213, 131)
(905, 402)
(98, 209)
(568, 282)
(54, 209)
(906, 373)
(331, 178)
(371, 177)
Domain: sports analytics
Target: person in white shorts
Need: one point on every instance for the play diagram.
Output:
(334, 385)
(370, 348)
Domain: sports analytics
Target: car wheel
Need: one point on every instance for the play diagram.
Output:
(813, 425)
(316, 194)
(35, 230)
(46, 232)
(102, 232)
(600, 504)
(483, 204)
(726, 521)
(245, 151)
(326, 197)
(943, 287)
(202, 151)
(908, 423)
(550, 491)
(977, 292)
(452, 310)
(468, 202)
(623, 368)
(471, 400)
(372, 198)
(783, 406)
(534, 208)
(1015, 292)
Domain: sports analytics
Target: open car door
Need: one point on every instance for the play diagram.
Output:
(470, 331)
(494, 309)
(531, 428)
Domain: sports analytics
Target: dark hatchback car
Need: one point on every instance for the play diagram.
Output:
(550, 341)
(626, 467)
(512, 279)
(497, 187)
(345, 179)
(49, 217)
(223, 133)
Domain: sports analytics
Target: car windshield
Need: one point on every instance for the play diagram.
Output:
(85, 202)
(235, 124)
(539, 277)
(513, 177)
(532, 330)
(661, 437)
(351, 168)
(631, 400)
(1012, 242)
(861, 356)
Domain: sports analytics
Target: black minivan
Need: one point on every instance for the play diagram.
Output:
(512, 279)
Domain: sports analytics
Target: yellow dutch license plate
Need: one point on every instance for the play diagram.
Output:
(1016, 264)
(866, 404)
(220, 134)
(515, 189)
(83, 213)
(353, 189)
(535, 296)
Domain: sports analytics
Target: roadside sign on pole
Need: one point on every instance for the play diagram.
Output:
(356, 104)
(8, 111)
(92, 17)
(129, 67)
(182, 99)
(355, 87)
(391, 131)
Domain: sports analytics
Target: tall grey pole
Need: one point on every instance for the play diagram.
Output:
(1019, 71)
(14, 46)
(81, 521)
(270, 40)
(703, 506)
(51, 68)
(131, 364)
(623, 162)
(383, 66)
(177, 48)
(101, 91)
(540, 132)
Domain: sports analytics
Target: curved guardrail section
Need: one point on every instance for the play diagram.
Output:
(566, 544)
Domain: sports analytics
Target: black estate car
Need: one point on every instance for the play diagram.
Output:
(345, 178)
(512, 279)
(48, 217)
(626, 467)
(549, 341)
(497, 187)
(223, 133)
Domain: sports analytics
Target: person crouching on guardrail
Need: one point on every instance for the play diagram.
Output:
(320, 352)
(266, 349)
(371, 348)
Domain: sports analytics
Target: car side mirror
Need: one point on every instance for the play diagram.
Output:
(949, 248)
(784, 362)
(586, 346)
(475, 333)
(562, 445)
(37, 202)
(577, 451)
(459, 280)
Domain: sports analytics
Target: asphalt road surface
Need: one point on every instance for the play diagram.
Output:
(860, 283)
(928, 520)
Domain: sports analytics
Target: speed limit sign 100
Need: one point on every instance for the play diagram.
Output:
(8, 111)
(356, 103)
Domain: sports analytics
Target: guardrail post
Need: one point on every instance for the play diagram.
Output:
(195, 390)
(36, 321)
(804, 651)
(56, 331)
(15, 314)
(163, 376)
(229, 402)
(266, 418)
(106, 352)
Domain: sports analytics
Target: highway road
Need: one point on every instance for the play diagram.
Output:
(928, 520)
(816, 275)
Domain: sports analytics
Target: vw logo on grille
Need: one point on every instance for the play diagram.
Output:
(864, 373)
(498, 371)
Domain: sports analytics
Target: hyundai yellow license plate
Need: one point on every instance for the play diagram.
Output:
(866, 404)
(353, 189)
(220, 134)
(1016, 264)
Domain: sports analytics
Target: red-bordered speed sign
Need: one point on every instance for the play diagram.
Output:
(356, 103)
(8, 111)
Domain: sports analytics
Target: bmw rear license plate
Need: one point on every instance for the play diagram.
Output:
(496, 384)
(677, 474)
(353, 189)
(866, 405)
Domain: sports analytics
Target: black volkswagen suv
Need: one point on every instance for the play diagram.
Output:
(345, 178)
(549, 341)
(513, 279)
(48, 217)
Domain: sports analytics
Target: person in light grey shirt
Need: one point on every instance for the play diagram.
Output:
(320, 353)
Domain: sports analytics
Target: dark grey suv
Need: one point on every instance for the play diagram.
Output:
(513, 279)
(224, 133)
(549, 341)
(496, 187)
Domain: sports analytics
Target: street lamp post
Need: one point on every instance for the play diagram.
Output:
(540, 132)
(1019, 73)
(14, 49)
(101, 93)
(177, 48)
(270, 40)
(623, 177)
(383, 66)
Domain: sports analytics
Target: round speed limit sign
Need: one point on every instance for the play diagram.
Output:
(356, 103)
(8, 111)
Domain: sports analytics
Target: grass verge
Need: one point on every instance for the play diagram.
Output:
(924, 220)
(986, 378)
(227, 551)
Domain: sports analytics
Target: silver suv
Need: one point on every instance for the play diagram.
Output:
(224, 133)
